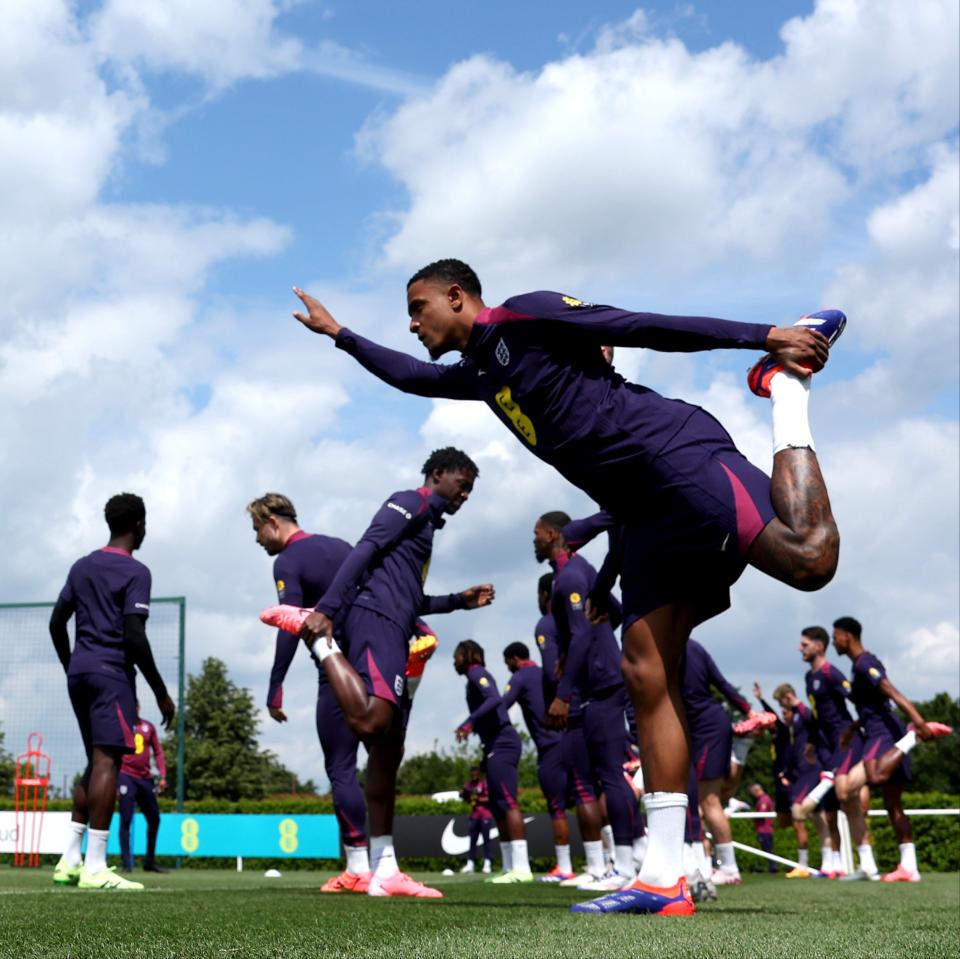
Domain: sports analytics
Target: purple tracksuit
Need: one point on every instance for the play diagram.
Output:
(711, 734)
(880, 724)
(691, 503)
(805, 772)
(591, 667)
(526, 688)
(501, 742)
(828, 690)
(303, 572)
(101, 589)
(377, 594)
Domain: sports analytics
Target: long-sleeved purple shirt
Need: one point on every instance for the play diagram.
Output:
(698, 673)
(828, 690)
(488, 716)
(386, 570)
(590, 655)
(536, 362)
(525, 687)
(874, 706)
(303, 572)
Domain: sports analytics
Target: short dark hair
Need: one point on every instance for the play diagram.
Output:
(545, 584)
(516, 649)
(450, 460)
(472, 652)
(556, 519)
(849, 625)
(817, 633)
(449, 271)
(123, 512)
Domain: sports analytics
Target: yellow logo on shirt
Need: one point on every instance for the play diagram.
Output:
(541, 639)
(574, 597)
(572, 301)
(846, 684)
(874, 672)
(522, 423)
(281, 586)
(484, 681)
(506, 688)
(138, 743)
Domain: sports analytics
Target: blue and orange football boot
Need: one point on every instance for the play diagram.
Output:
(830, 323)
(641, 898)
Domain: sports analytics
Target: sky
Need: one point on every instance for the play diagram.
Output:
(171, 170)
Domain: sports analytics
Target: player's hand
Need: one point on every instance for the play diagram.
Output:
(316, 626)
(922, 730)
(799, 349)
(846, 737)
(162, 784)
(595, 611)
(757, 691)
(317, 317)
(557, 714)
(477, 596)
(461, 733)
(809, 753)
(167, 711)
(278, 714)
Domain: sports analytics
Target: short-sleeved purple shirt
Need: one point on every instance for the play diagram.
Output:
(103, 587)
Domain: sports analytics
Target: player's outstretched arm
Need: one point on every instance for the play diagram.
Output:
(317, 317)
(918, 721)
(478, 596)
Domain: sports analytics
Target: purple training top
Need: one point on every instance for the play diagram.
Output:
(536, 362)
(525, 687)
(802, 731)
(103, 587)
(145, 740)
(386, 570)
(488, 716)
(303, 572)
(874, 707)
(828, 690)
(591, 657)
(698, 674)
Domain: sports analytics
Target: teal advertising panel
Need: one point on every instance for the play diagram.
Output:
(209, 834)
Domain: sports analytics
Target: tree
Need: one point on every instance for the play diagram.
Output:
(7, 769)
(222, 755)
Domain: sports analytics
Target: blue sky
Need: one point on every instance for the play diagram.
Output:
(172, 170)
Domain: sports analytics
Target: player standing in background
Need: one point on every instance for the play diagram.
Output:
(711, 736)
(109, 591)
(694, 509)
(886, 742)
(303, 570)
(803, 774)
(764, 827)
(135, 788)
(590, 669)
(501, 755)
(526, 688)
(780, 761)
(375, 600)
(475, 793)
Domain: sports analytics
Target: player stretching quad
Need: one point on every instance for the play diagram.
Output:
(695, 511)
(501, 755)
(886, 742)
(526, 688)
(303, 570)
(109, 591)
(374, 600)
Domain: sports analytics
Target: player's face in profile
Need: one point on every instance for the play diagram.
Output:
(431, 306)
(140, 534)
(542, 542)
(459, 661)
(455, 486)
(268, 536)
(841, 641)
(809, 649)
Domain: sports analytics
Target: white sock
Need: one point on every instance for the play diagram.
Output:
(383, 857)
(623, 860)
(908, 856)
(803, 857)
(791, 425)
(594, 853)
(666, 819)
(907, 743)
(838, 861)
(691, 864)
(606, 836)
(358, 862)
(521, 862)
(639, 851)
(506, 854)
(728, 858)
(74, 850)
(867, 863)
(821, 788)
(563, 859)
(826, 858)
(322, 650)
(96, 850)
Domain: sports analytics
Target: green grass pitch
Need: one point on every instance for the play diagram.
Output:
(211, 914)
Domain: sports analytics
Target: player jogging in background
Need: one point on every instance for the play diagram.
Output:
(501, 755)
(373, 604)
(475, 793)
(109, 593)
(525, 687)
(303, 569)
(135, 789)
(886, 743)
(694, 510)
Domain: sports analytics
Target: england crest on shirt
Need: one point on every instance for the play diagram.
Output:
(502, 353)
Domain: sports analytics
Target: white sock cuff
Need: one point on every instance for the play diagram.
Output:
(664, 800)
(322, 650)
(907, 742)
